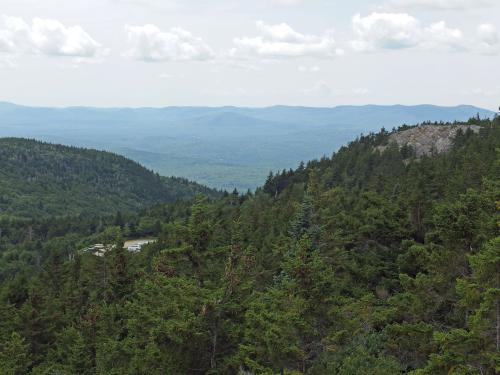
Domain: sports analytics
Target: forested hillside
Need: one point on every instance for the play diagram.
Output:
(221, 147)
(378, 260)
(39, 179)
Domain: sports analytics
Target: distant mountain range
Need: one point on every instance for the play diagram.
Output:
(223, 147)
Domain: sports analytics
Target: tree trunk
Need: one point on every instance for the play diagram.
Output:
(213, 364)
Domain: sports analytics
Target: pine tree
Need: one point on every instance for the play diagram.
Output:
(14, 356)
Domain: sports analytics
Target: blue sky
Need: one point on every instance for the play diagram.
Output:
(249, 53)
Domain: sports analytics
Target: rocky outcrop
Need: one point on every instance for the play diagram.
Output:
(428, 139)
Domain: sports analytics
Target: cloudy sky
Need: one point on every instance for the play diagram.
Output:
(249, 53)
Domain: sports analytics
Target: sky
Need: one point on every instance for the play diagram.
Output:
(114, 53)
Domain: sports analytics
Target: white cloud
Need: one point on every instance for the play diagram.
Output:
(438, 35)
(385, 30)
(149, 43)
(281, 40)
(441, 4)
(53, 38)
(47, 37)
(14, 32)
(488, 39)
(401, 30)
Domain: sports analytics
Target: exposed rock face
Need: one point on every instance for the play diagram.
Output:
(427, 139)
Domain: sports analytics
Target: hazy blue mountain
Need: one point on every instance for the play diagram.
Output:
(221, 147)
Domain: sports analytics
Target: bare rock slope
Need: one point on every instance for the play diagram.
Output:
(427, 139)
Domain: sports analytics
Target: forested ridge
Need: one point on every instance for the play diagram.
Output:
(221, 147)
(373, 261)
(38, 178)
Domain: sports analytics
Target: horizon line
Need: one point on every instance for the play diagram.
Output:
(5, 102)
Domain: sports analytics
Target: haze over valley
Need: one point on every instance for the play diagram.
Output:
(221, 147)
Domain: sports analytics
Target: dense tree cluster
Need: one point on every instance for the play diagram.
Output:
(39, 179)
(368, 262)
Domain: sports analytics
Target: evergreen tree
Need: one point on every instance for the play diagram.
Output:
(15, 356)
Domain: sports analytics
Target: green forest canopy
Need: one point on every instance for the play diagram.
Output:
(38, 178)
(368, 262)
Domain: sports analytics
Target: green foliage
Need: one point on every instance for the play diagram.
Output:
(44, 179)
(368, 262)
(14, 356)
